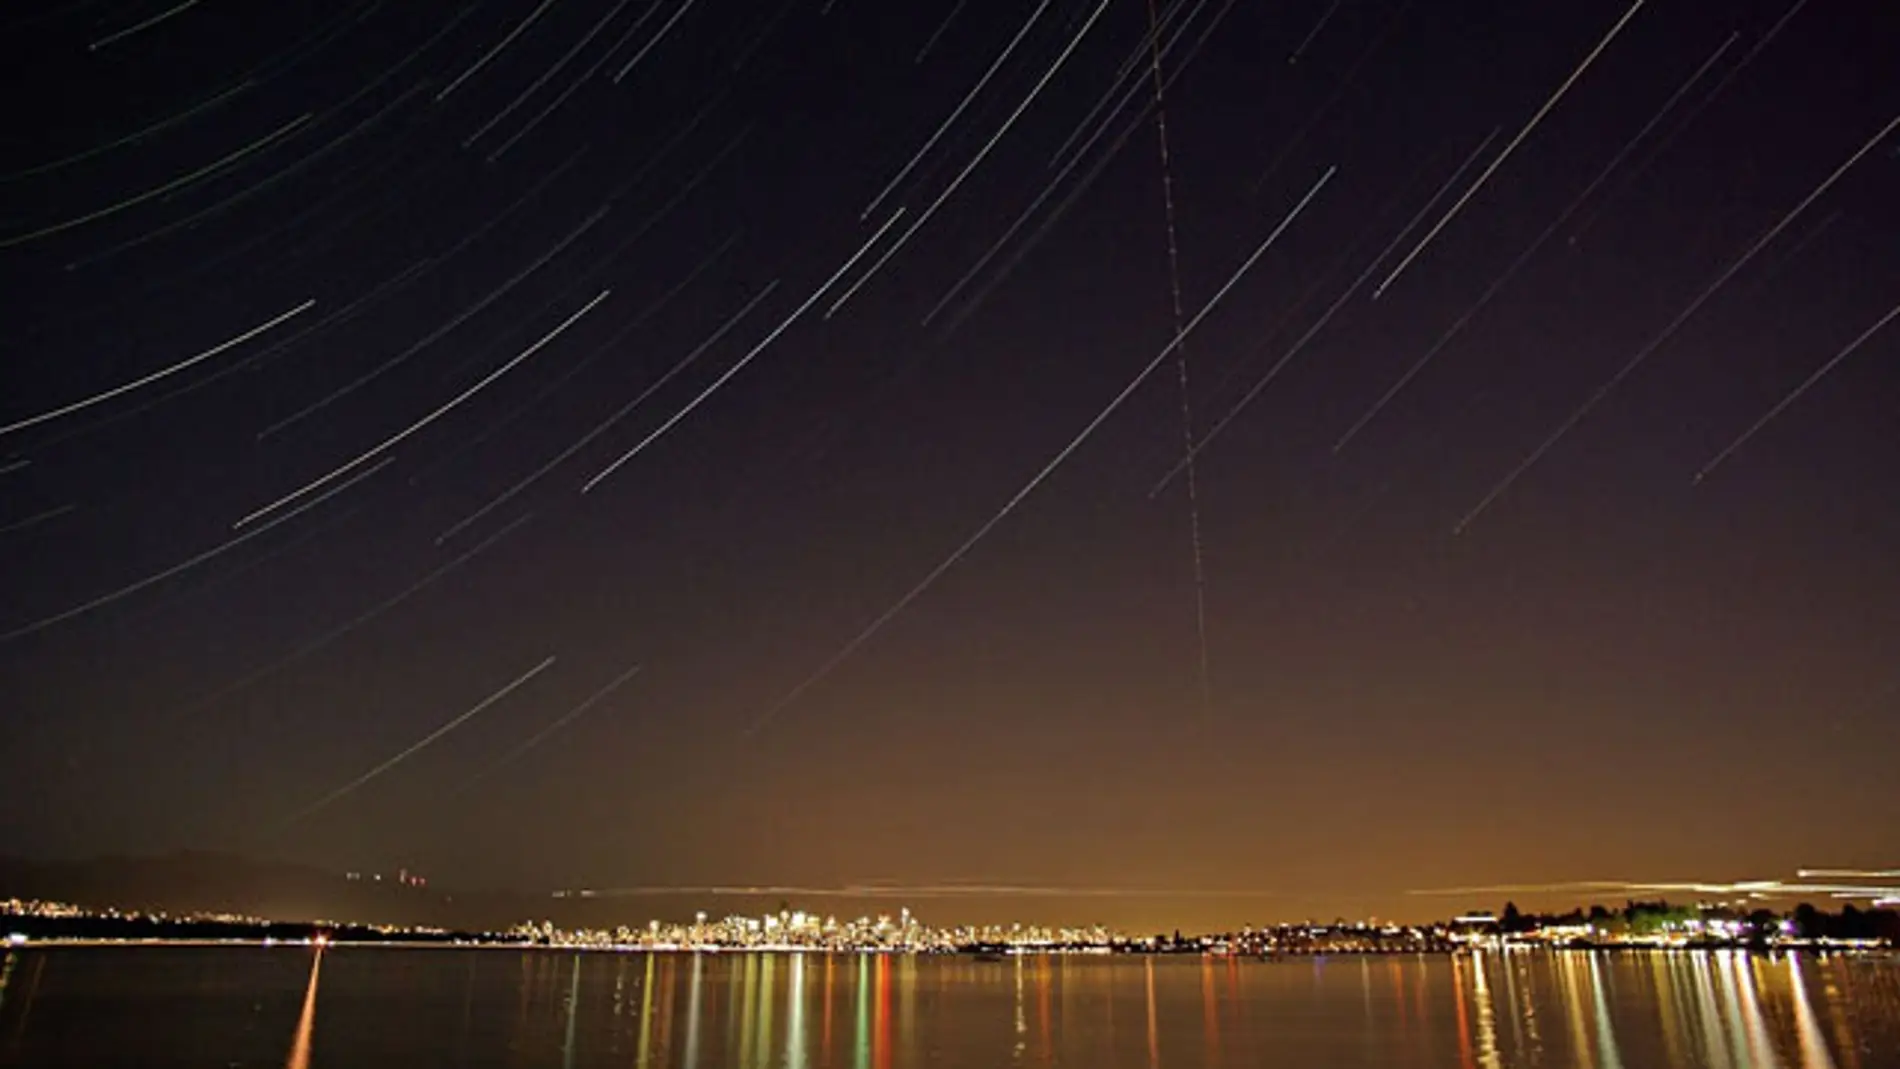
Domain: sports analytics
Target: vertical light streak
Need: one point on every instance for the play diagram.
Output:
(795, 1016)
(1154, 1037)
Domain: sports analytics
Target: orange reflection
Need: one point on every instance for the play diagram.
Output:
(1042, 1009)
(1154, 1040)
(824, 1053)
(1487, 1016)
(306, 1021)
(881, 1041)
(1464, 1026)
(1210, 1013)
(664, 1025)
(1398, 993)
(1022, 1025)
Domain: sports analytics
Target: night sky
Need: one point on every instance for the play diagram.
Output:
(359, 359)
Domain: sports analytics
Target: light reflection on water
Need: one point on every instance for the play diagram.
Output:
(349, 1006)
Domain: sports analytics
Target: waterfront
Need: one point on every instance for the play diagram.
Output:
(354, 1006)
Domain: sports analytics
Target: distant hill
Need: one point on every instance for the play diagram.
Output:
(202, 881)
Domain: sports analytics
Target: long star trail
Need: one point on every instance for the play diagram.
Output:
(547, 732)
(653, 42)
(433, 336)
(142, 25)
(1688, 120)
(395, 439)
(740, 364)
(601, 428)
(1509, 147)
(930, 578)
(1081, 186)
(180, 568)
(128, 203)
(937, 34)
(1636, 361)
(1312, 34)
(583, 78)
(1346, 82)
(1186, 463)
(535, 86)
(240, 196)
(321, 803)
(324, 639)
(163, 373)
(1795, 394)
(619, 335)
(956, 112)
(1128, 81)
(136, 136)
(1497, 284)
(975, 161)
(36, 519)
(1349, 251)
(488, 56)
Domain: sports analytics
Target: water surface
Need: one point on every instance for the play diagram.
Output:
(374, 1008)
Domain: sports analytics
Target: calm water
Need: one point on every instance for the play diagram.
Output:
(411, 1007)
